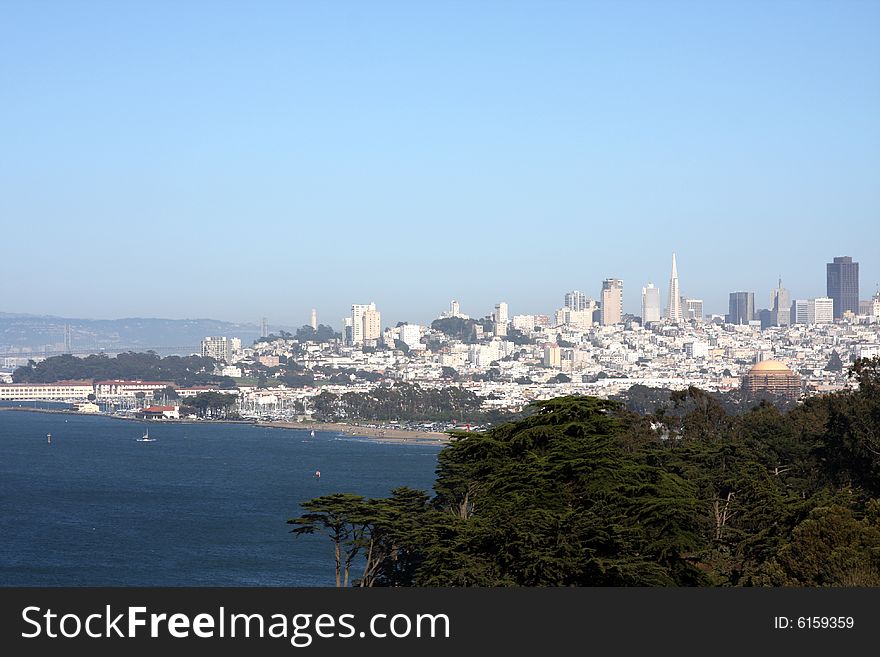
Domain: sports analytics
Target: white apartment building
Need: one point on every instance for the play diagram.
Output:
(59, 391)
(218, 348)
(411, 334)
(119, 388)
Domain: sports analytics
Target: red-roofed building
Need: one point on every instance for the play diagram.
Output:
(161, 412)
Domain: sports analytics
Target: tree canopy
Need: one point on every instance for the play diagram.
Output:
(584, 492)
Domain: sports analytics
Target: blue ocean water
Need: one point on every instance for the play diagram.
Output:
(203, 505)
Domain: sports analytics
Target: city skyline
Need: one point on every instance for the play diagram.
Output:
(300, 157)
(353, 313)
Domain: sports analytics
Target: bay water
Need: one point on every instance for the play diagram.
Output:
(202, 505)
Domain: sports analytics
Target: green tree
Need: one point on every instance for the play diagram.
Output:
(344, 518)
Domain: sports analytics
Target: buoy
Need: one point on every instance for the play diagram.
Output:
(49, 438)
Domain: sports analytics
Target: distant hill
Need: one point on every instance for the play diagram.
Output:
(44, 334)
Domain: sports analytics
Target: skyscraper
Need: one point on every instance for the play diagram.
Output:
(842, 285)
(501, 319)
(741, 308)
(650, 304)
(692, 309)
(780, 306)
(372, 323)
(673, 308)
(576, 300)
(612, 301)
(357, 321)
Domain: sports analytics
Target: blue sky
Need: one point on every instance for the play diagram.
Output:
(233, 160)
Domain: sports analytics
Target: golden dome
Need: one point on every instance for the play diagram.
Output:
(770, 366)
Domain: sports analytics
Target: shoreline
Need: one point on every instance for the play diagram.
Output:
(355, 430)
(352, 430)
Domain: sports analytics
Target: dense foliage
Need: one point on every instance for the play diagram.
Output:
(182, 370)
(585, 492)
(402, 402)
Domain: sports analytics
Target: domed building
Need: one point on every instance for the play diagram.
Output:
(772, 377)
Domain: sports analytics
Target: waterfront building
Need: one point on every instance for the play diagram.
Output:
(123, 388)
(842, 285)
(58, 391)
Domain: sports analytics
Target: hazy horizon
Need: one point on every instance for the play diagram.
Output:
(205, 160)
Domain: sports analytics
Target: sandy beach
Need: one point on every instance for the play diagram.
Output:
(377, 433)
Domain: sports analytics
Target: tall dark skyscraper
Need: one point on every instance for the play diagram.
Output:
(843, 285)
(742, 308)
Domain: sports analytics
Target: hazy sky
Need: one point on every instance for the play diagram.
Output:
(233, 160)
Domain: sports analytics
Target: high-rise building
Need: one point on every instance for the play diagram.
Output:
(842, 285)
(650, 304)
(801, 312)
(741, 308)
(823, 310)
(347, 331)
(313, 322)
(501, 318)
(780, 306)
(612, 301)
(357, 322)
(692, 309)
(812, 311)
(372, 324)
(552, 356)
(575, 300)
(673, 309)
(218, 348)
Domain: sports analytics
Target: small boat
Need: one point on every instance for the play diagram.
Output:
(146, 438)
(312, 434)
(317, 474)
(49, 438)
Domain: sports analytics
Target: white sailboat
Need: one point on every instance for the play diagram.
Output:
(146, 438)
